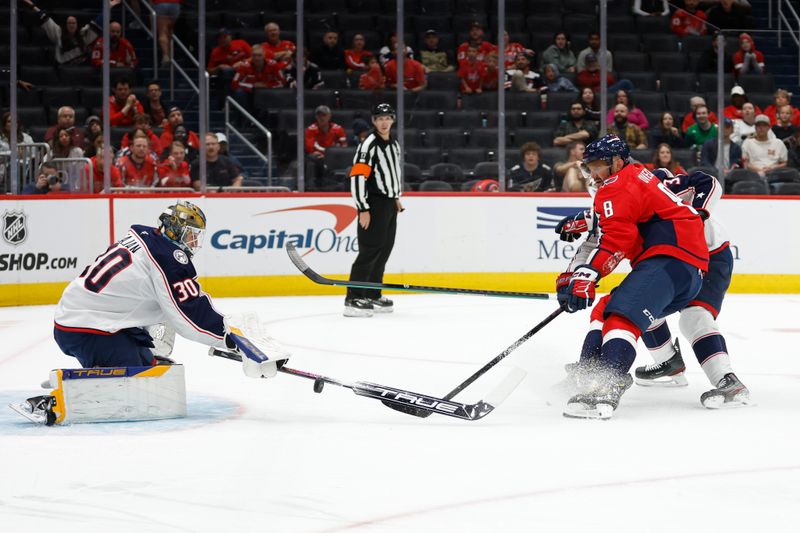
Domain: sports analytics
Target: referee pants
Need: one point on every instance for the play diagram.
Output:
(374, 246)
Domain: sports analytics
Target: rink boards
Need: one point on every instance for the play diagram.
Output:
(494, 241)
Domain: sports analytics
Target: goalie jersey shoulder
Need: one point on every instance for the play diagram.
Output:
(168, 256)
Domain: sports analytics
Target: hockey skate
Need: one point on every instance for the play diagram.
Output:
(579, 377)
(602, 397)
(358, 307)
(38, 409)
(382, 305)
(730, 392)
(670, 373)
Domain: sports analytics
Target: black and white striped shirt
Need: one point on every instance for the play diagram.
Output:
(376, 170)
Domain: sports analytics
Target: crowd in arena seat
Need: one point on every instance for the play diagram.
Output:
(660, 77)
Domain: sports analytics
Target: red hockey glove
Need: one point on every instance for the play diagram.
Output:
(571, 227)
(580, 292)
(562, 284)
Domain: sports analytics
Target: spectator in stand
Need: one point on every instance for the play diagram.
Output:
(48, 180)
(276, 48)
(62, 145)
(413, 74)
(475, 39)
(175, 119)
(747, 60)
(745, 126)
(511, 51)
(635, 115)
(663, 158)
(228, 55)
(142, 122)
(388, 51)
(5, 134)
(434, 59)
(98, 172)
(312, 76)
(65, 120)
(490, 79)
(707, 62)
(689, 119)
(182, 136)
(738, 99)
(224, 149)
(355, 57)
(361, 130)
(630, 133)
(121, 50)
(690, 20)
(588, 99)
(257, 73)
(72, 45)
(138, 168)
(575, 128)
(793, 149)
(220, 172)
(763, 153)
(471, 71)
(523, 78)
(560, 54)
(593, 48)
(702, 130)
(568, 175)
(650, 8)
(174, 170)
(728, 15)
(731, 152)
(590, 77)
(781, 99)
(320, 136)
(373, 79)
(94, 131)
(167, 13)
(532, 175)
(783, 128)
(154, 106)
(329, 55)
(123, 105)
(555, 81)
(666, 132)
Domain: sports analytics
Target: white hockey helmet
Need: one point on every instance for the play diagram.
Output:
(185, 224)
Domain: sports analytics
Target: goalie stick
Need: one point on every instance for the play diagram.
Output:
(392, 396)
(301, 265)
(414, 411)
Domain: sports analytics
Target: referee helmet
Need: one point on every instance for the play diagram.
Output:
(384, 109)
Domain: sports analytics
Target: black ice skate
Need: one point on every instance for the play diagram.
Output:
(38, 409)
(601, 399)
(382, 305)
(730, 392)
(358, 307)
(670, 373)
(579, 377)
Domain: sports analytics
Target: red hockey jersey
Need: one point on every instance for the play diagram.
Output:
(640, 218)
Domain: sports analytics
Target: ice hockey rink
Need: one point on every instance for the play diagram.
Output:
(271, 455)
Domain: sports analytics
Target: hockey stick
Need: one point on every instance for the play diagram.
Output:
(414, 411)
(390, 396)
(301, 265)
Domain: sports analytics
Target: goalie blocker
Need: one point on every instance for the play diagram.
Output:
(112, 394)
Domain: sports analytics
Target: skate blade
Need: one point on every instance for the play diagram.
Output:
(22, 408)
(579, 410)
(357, 313)
(383, 310)
(718, 402)
(678, 380)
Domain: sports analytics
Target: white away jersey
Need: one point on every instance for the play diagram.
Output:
(141, 280)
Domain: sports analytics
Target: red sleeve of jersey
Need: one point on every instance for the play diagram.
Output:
(618, 212)
(216, 58)
(310, 140)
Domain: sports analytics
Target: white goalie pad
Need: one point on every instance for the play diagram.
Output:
(118, 394)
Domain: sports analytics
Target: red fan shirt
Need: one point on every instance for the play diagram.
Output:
(122, 56)
(118, 118)
(178, 176)
(138, 175)
(683, 23)
(413, 73)
(271, 75)
(98, 177)
(238, 50)
(483, 49)
(471, 75)
(317, 140)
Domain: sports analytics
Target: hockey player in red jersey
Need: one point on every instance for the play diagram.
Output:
(639, 220)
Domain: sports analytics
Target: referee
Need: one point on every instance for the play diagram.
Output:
(375, 182)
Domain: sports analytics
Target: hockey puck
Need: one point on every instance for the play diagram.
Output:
(318, 385)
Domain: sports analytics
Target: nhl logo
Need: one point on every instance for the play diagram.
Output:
(15, 229)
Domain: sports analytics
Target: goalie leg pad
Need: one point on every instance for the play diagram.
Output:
(118, 394)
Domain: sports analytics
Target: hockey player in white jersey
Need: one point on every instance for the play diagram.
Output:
(697, 320)
(145, 286)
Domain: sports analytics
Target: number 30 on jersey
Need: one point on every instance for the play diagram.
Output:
(186, 289)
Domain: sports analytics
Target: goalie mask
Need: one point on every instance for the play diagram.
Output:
(185, 224)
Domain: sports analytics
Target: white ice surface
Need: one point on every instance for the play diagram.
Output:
(272, 456)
